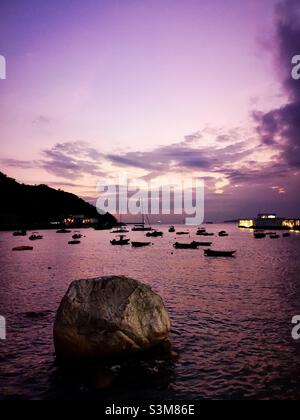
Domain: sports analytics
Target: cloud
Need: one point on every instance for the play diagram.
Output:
(192, 154)
(72, 160)
(280, 128)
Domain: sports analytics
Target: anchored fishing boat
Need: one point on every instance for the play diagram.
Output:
(20, 233)
(63, 231)
(122, 241)
(211, 253)
(23, 248)
(155, 234)
(172, 229)
(192, 245)
(223, 234)
(259, 235)
(35, 237)
(140, 244)
(74, 242)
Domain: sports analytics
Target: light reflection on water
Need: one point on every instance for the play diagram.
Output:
(231, 317)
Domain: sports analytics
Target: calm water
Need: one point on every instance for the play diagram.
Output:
(231, 317)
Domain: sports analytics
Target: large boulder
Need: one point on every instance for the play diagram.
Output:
(109, 316)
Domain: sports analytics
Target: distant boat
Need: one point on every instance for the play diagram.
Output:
(259, 235)
(77, 236)
(20, 233)
(182, 233)
(63, 231)
(35, 237)
(223, 233)
(120, 231)
(141, 227)
(286, 235)
(201, 231)
(140, 244)
(276, 236)
(192, 245)
(208, 234)
(172, 229)
(122, 241)
(23, 248)
(211, 253)
(154, 234)
(203, 243)
(74, 242)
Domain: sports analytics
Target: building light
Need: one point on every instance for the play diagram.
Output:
(246, 223)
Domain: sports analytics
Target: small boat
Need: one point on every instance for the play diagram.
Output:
(155, 234)
(208, 234)
(77, 236)
(286, 235)
(259, 235)
(23, 248)
(122, 241)
(223, 234)
(201, 231)
(172, 229)
(182, 233)
(276, 236)
(141, 228)
(192, 245)
(20, 233)
(35, 237)
(203, 243)
(211, 253)
(63, 231)
(140, 244)
(118, 231)
(270, 233)
(74, 242)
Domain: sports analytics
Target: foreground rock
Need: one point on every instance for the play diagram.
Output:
(109, 316)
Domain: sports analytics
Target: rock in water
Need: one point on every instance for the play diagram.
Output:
(109, 316)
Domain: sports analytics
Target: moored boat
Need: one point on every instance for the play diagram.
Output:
(276, 236)
(259, 235)
(77, 236)
(20, 233)
(286, 235)
(182, 233)
(140, 244)
(192, 245)
(63, 231)
(23, 248)
(75, 242)
(223, 234)
(212, 253)
(155, 234)
(203, 243)
(122, 241)
(35, 237)
(172, 229)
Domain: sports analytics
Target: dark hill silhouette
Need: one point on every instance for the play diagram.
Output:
(37, 205)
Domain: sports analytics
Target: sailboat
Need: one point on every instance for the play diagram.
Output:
(141, 227)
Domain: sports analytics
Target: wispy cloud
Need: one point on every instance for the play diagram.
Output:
(280, 128)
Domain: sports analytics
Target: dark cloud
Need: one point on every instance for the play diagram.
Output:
(191, 154)
(15, 163)
(72, 160)
(280, 128)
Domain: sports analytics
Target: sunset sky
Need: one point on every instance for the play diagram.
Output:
(156, 88)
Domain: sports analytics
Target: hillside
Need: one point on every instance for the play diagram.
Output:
(38, 205)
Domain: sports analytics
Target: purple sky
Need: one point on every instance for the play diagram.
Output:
(157, 88)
